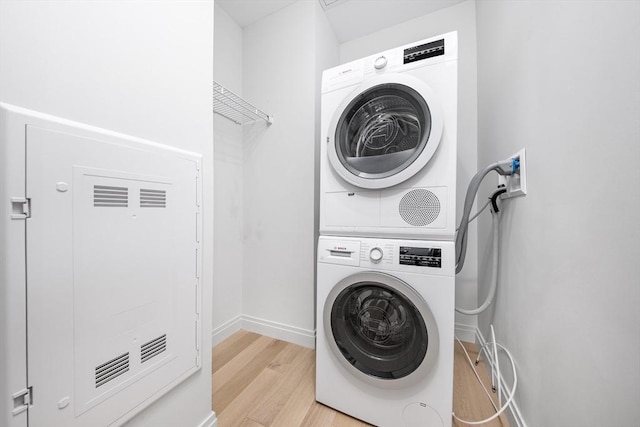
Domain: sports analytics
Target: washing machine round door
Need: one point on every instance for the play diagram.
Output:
(385, 131)
(381, 329)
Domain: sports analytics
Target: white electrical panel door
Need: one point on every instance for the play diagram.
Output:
(113, 249)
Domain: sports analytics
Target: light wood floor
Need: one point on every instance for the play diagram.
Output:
(262, 382)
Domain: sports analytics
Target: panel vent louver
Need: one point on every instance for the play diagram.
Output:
(112, 369)
(105, 195)
(153, 198)
(153, 348)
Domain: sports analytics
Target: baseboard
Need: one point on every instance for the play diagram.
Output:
(295, 335)
(292, 334)
(514, 414)
(465, 333)
(210, 421)
(225, 330)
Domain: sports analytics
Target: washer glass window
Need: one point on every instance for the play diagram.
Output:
(378, 330)
(382, 131)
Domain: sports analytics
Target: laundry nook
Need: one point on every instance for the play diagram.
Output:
(319, 213)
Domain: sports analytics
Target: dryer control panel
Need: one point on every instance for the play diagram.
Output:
(421, 257)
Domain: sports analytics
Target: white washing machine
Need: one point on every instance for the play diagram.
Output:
(385, 330)
(388, 138)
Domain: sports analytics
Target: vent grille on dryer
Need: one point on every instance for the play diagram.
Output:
(105, 195)
(153, 348)
(112, 369)
(153, 198)
(419, 207)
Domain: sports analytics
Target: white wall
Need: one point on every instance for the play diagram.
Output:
(562, 80)
(143, 68)
(462, 18)
(228, 187)
(280, 75)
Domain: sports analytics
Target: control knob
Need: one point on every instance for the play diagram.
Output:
(375, 254)
(380, 62)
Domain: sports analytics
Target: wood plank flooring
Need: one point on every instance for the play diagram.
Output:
(469, 399)
(262, 382)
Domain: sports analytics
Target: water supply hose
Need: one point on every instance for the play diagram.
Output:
(504, 167)
(494, 270)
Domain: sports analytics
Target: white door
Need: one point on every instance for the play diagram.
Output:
(385, 131)
(112, 274)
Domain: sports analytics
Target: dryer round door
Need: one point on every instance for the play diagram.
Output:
(381, 330)
(385, 131)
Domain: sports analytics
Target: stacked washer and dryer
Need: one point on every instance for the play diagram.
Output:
(386, 262)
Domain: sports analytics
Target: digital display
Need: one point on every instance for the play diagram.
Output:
(421, 257)
(424, 51)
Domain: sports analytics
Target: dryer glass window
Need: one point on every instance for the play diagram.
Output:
(383, 131)
(379, 330)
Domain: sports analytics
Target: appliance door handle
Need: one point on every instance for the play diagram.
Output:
(340, 254)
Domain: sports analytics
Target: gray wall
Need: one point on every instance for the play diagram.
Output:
(562, 79)
(228, 187)
(266, 206)
(283, 54)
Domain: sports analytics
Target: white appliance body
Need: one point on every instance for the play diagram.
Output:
(385, 330)
(388, 143)
(100, 271)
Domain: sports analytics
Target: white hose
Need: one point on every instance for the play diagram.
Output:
(496, 364)
(475, 371)
(511, 393)
(494, 271)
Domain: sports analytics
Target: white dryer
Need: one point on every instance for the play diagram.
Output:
(385, 330)
(388, 143)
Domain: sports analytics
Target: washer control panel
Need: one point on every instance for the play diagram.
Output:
(375, 253)
(430, 257)
(421, 257)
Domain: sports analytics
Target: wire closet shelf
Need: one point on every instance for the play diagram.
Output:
(229, 105)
